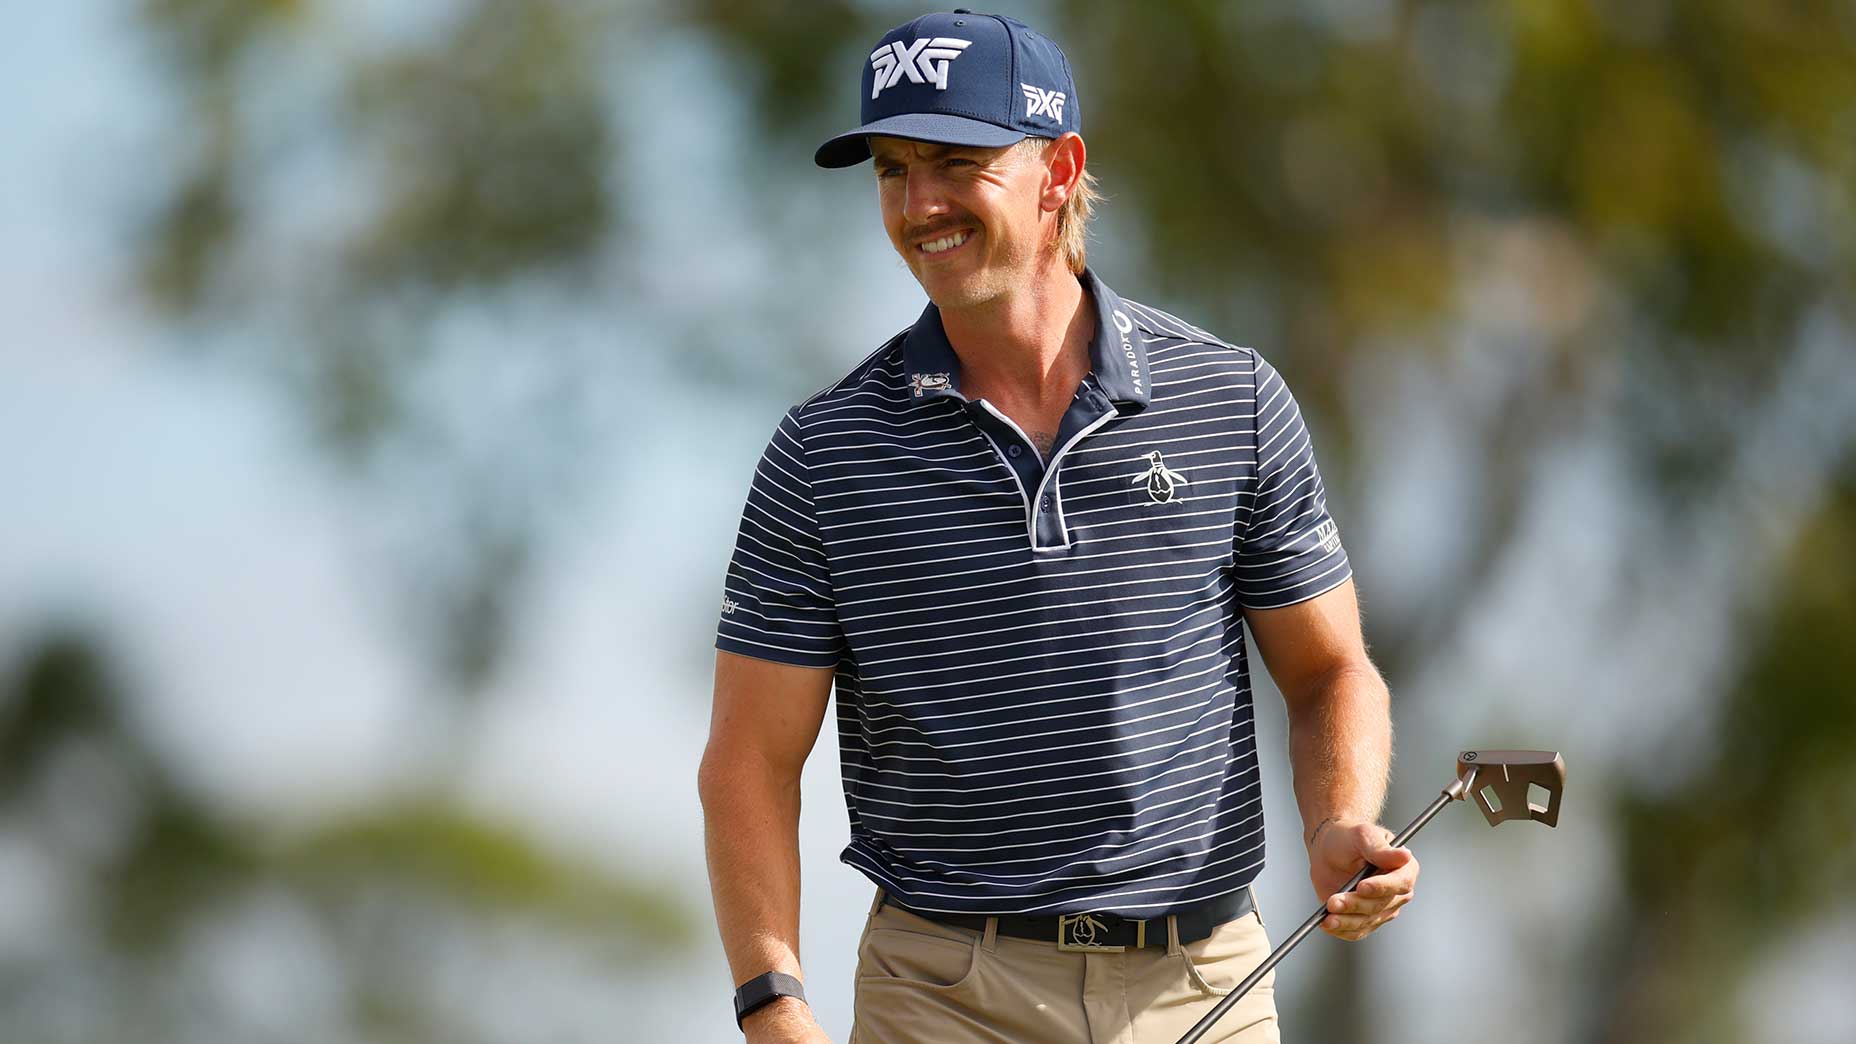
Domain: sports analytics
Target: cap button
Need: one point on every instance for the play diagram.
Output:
(962, 10)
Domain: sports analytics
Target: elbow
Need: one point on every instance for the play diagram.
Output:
(1349, 683)
(1351, 672)
(732, 776)
(725, 772)
(711, 777)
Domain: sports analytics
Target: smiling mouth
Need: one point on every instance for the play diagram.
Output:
(947, 242)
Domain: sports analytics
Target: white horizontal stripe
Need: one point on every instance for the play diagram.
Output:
(1168, 675)
(866, 599)
(1317, 578)
(964, 622)
(1213, 604)
(1020, 798)
(1220, 600)
(1107, 726)
(782, 648)
(899, 561)
(1166, 839)
(1046, 814)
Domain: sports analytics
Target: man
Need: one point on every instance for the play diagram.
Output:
(1022, 538)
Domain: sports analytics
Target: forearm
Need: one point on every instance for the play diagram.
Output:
(751, 836)
(1340, 748)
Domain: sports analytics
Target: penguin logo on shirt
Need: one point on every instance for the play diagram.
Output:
(1162, 482)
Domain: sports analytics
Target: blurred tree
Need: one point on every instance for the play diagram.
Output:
(478, 153)
(1611, 222)
(157, 864)
(481, 157)
(1760, 842)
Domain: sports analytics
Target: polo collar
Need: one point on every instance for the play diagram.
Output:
(1117, 352)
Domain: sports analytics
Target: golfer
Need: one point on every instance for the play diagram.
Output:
(1022, 538)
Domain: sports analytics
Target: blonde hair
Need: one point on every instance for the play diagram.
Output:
(1073, 218)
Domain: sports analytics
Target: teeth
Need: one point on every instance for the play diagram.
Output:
(945, 243)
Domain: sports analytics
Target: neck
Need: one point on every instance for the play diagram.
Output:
(1031, 345)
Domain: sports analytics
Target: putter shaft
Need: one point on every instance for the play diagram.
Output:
(1451, 793)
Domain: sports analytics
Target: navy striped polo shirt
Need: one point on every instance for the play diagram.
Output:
(1043, 690)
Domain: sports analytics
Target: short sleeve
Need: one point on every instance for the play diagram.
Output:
(776, 598)
(1288, 548)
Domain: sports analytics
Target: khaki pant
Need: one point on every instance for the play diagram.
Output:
(921, 982)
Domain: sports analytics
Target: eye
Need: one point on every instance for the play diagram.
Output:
(956, 161)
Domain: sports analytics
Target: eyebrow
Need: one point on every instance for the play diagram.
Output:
(930, 150)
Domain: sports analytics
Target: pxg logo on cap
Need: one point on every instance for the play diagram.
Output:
(960, 78)
(924, 61)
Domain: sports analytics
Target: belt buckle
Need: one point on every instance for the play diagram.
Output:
(1078, 934)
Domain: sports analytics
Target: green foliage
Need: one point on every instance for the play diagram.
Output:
(435, 844)
(204, 43)
(167, 861)
(1657, 197)
(495, 146)
(482, 156)
(61, 690)
(1764, 837)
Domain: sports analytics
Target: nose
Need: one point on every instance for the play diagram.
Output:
(922, 197)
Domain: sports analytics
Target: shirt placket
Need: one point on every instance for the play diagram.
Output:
(1038, 481)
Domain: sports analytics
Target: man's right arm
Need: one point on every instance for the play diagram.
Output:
(765, 720)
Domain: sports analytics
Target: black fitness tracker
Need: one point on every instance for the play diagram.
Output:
(763, 990)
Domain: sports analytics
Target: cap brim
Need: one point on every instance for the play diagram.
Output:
(851, 147)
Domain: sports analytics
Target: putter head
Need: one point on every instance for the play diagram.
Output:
(1505, 784)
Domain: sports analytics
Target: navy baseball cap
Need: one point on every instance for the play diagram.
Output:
(960, 78)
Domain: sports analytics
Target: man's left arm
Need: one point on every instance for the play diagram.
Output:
(1340, 752)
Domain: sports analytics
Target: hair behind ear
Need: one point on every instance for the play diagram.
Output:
(1073, 217)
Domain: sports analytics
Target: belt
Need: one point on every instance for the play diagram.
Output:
(1099, 932)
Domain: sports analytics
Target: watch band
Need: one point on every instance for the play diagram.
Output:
(763, 990)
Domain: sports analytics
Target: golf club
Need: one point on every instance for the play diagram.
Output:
(1503, 782)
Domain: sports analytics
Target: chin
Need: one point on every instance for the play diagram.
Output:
(964, 292)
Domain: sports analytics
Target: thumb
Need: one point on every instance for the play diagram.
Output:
(1386, 857)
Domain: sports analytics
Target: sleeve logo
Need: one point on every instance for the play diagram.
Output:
(1329, 536)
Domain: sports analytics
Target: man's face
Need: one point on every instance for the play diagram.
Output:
(967, 221)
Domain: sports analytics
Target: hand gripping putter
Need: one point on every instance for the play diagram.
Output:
(1503, 782)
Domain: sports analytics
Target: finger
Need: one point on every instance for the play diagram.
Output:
(1363, 911)
(1357, 903)
(1394, 878)
(1385, 887)
(1355, 927)
(1362, 933)
(1387, 858)
(1344, 924)
(1351, 936)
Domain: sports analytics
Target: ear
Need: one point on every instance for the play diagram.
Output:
(1064, 166)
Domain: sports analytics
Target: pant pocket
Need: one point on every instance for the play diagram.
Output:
(1218, 962)
(900, 948)
(919, 987)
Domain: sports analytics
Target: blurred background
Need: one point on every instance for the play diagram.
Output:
(381, 384)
